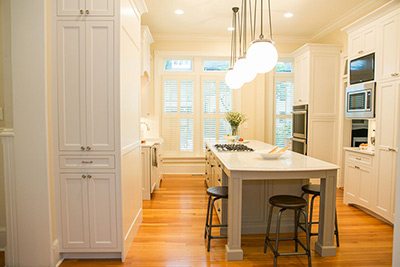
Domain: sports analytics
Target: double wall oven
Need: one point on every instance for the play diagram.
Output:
(300, 125)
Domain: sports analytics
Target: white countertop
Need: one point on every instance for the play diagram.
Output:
(361, 151)
(149, 142)
(252, 161)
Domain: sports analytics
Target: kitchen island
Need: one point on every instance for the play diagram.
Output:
(281, 176)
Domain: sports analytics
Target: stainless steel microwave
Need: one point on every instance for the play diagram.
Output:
(360, 101)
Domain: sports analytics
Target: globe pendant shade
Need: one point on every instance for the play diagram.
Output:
(232, 80)
(244, 69)
(262, 55)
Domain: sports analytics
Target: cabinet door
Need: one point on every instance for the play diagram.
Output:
(356, 45)
(366, 186)
(389, 62)
(100, 7)
(351, 183)
(102, 211)
(74, 211)
(369, 40)
(100, 85)
(301, 81)
(70, 7)
(387, 117)
(71, 85)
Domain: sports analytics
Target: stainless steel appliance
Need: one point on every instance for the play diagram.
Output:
(359, 132)
(300, 125)
(360, 101)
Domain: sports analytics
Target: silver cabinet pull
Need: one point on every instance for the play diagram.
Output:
(89, 176)
(88, 148)
(356, 167)
(82, 148)
(87, 11)
(81, 11)
(87, 161)
(361, 51)
(395, 74)
(83, 176)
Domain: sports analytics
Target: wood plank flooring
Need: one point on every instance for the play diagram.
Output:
(172, 235)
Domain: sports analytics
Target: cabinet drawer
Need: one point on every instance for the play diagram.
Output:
(93, 162)
(358, 158)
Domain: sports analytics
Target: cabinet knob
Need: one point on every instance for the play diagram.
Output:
(219, 210)
(395, 74)
(87, 11)
(356, 167)
(89, 176)
(219, 180)
(82, 148)
(87, 161)
(361, 51)
(81, 11)
(83, 176)
(88, 148)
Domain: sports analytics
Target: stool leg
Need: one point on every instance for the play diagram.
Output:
(208, 216)
(336, 230)
(296, 225)
(308, 237)
(278, 228)
(271, 209)
(210, 225)
(310, 223)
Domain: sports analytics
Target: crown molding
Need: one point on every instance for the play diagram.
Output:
(351, 15)
(221, 38)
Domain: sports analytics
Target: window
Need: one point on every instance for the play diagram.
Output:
(216, 65)
(194, 104)
(178, 65)
(284, 91)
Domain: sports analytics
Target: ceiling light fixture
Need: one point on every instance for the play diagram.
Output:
(262, 53)
(179, 12)
(288, 14)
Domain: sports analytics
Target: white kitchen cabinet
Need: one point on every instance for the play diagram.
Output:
(147, 40)
(388, 62)
(85, 85)
(387, 119)
(85, 8)
(151, 169)
(302, 79)
(88, 211)
(363, 42)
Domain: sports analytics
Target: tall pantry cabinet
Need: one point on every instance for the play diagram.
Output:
(98, 195)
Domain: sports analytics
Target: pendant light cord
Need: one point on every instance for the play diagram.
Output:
(262, 20)
(270, 19)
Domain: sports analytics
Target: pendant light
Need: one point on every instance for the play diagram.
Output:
(232, 79)
(243, 67)
(262, 54)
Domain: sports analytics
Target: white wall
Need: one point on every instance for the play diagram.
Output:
(29, 80)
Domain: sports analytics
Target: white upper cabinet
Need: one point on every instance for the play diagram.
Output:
(302, 79)
(362, 42)
(389, 60)
(85, 8)
(85, 85)
(71, 85)
(100, 85)
(147, 40)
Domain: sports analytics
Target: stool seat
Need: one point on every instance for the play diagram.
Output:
(218, 191)
(288, 202)
(313, 189)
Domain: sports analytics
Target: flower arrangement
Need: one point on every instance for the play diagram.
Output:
(235, 119)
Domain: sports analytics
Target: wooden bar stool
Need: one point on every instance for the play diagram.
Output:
(214, 193)
(315, 191)
(298, 205)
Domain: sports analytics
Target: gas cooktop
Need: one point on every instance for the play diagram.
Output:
(233, 148)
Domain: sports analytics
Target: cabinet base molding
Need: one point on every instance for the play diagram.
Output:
(369, 212)
(91, 255)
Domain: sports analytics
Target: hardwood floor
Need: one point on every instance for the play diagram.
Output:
(2, 260)
(172, 235)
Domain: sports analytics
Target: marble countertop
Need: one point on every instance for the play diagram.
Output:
(149, 142)
(252, 161)
(361, 151)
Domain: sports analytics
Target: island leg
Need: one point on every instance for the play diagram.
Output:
(233, 248)
(325, 245)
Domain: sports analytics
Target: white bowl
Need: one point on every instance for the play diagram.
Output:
(266, 155)
(231, 138)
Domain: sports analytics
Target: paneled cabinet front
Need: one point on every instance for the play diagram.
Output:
(88, 205)
(85, 8)
(85, 85)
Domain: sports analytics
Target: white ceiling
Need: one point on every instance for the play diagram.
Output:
(312, 18)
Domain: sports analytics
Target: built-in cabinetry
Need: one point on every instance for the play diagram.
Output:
(213, 177)
(96, 125)
(147, 40)
(379, 35)
(317, 84)
(151, 168)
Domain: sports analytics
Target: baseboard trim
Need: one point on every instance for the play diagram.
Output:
(91, 255)
(55, 250)
(131, 233)
(58, 264)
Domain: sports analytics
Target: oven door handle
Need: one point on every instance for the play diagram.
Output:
(304, 141)
(299, 112)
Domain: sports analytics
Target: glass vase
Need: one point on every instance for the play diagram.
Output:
(235, 130)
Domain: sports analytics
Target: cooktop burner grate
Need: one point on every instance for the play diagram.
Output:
(233, 148)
